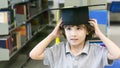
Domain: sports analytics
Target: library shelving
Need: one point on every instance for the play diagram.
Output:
(20, 21)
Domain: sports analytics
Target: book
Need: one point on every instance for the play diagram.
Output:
(5, 22)
(18, 40)
(29, 32)
(5, 17)
(4, 4)
(4, 29)
(20, 14)
(4, 54)
(6, 42)
(13, 43)
(22, 37)
(21, 29)
(115, 7)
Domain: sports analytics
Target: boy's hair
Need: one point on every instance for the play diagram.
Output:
(88, 27)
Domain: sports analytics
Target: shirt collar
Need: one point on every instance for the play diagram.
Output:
(86, 48)
(67, 48)
(84, 51)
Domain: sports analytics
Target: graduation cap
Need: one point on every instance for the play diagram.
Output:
(76, 15)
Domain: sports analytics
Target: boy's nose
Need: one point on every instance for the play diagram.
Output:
(73, 33)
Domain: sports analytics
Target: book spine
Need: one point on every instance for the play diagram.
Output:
(7, 44)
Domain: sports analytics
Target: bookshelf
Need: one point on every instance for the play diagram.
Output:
(20, 21)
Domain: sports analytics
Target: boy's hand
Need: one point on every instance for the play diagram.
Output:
(56, 32)
(94, 23)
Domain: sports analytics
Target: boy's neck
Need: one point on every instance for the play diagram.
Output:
(76, 49)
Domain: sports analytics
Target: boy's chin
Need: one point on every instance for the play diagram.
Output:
(73, 44)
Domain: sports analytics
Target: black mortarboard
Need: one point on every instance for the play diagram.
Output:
(75, 15)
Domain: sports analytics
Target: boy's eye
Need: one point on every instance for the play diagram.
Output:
(79, 28)
(68, 28)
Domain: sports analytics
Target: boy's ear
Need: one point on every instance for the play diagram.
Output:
(87, 33)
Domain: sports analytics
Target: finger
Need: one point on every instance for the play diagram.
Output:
(94, 20)
(60, 20)
(91, 23)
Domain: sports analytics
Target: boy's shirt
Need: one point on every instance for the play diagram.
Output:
(60, 56)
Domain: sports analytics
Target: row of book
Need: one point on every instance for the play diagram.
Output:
(10, 19)
(16, 29)
(15, 40)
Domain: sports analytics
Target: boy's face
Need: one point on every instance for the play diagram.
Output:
(75, 34)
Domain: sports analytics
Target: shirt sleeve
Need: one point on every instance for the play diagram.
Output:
(105, 56)
(52, 54)
(48, 57)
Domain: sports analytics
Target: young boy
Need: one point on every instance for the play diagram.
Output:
(76, 51)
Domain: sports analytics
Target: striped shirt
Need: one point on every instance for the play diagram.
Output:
(60, 56)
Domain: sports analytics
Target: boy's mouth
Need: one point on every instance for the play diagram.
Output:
(74, 39)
